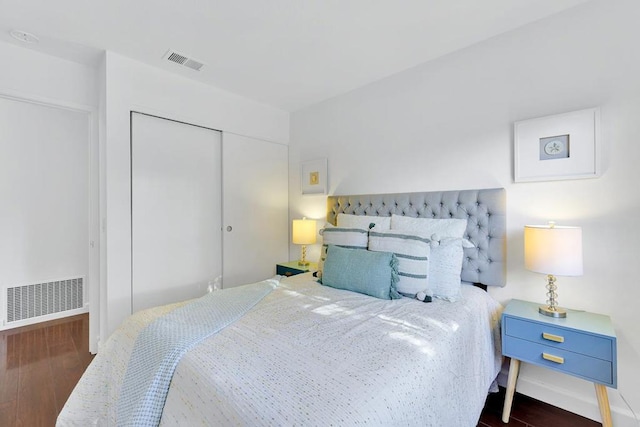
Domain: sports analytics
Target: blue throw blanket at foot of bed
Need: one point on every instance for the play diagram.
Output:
(160, 346)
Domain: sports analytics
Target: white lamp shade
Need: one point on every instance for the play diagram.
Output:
(553, 250)
(304, 231)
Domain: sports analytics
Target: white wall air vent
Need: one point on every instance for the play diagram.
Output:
(40, 299)
(183, 60)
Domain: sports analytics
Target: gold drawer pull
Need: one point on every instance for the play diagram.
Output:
(551, 337)
(552, 358)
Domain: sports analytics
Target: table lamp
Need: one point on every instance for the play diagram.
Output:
(553, 250)
(303, 233)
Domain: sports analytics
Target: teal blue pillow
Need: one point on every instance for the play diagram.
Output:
(359, 270)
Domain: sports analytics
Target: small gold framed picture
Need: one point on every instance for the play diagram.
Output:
(313, 177)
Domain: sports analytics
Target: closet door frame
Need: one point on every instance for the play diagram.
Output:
(94, 281)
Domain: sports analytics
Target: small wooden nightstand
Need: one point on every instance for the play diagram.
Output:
(582, 344)
(292, 268)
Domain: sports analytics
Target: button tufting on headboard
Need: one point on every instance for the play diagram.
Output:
(484, 210)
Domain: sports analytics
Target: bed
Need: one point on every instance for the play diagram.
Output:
(310, 354)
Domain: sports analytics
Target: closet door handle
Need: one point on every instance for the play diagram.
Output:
(229, 228)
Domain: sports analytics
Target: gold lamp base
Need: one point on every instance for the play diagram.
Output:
(303, 260)
(557, 312)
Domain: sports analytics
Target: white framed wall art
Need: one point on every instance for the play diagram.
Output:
(562, 146)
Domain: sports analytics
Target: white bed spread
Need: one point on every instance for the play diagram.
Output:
(314, 355)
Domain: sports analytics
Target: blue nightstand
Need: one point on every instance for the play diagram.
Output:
(582, 344)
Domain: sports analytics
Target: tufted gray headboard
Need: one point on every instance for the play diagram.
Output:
(484, 210)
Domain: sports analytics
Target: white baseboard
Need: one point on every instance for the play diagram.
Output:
(45, 318)
(570, 401)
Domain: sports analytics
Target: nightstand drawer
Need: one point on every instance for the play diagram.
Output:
(589, 368)
(560, 338)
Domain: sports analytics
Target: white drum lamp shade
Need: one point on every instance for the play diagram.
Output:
(553, 250)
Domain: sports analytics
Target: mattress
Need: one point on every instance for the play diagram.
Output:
(307, 354)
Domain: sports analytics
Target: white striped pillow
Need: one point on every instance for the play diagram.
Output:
(445, 268)
(412, 251)
(381, 223)
(447, 227)
(352, 238)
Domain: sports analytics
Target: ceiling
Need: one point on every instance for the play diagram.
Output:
(284, 53)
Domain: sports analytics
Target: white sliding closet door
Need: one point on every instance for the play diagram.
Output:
(255, 211)
(176, 210)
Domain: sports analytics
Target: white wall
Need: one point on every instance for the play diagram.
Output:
(448, 125)
(45, 77)
(131, 85)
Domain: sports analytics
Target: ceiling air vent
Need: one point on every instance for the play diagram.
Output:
(183, 60)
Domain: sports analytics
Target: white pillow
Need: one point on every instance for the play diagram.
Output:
(362, 221)
(353, 238)
(447, 227)
(445, 267)
(412, 251)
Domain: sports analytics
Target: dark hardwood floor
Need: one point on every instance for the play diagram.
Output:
(40, 364)
(528, 412)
